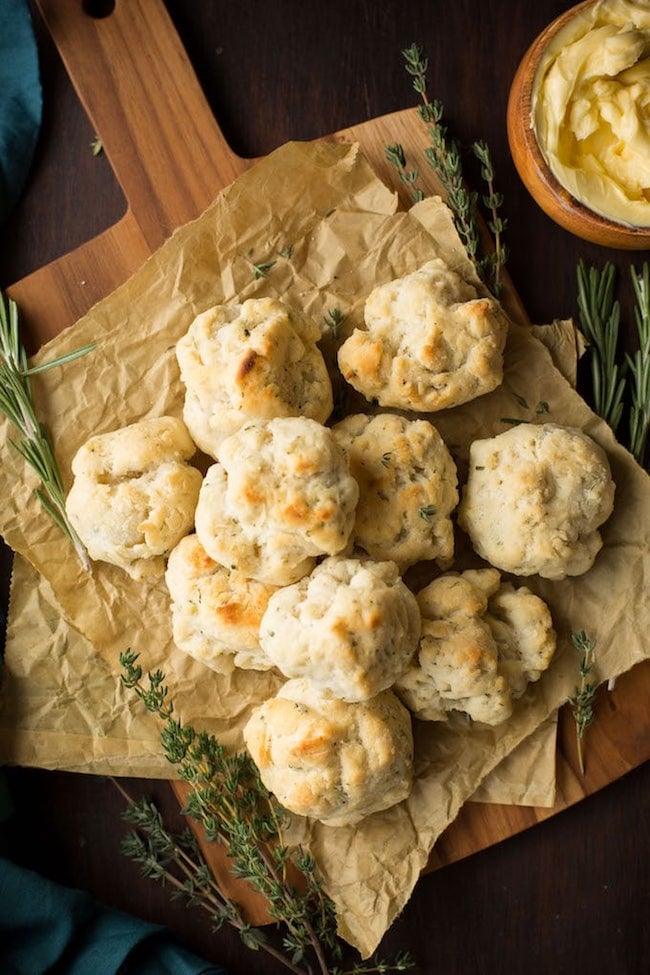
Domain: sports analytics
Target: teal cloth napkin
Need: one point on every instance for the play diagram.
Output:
(49, 929)
(21, 100)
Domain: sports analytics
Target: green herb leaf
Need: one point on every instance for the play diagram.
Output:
(583, 699)
(17, 404)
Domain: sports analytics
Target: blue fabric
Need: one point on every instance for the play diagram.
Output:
(49, 929)
(21, 100)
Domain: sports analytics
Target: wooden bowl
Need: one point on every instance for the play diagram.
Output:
(537, 177)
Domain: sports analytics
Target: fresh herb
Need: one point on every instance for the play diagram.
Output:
(521, 401)
(176, 861)
(639, 367)
(444, 156)
(333, 321)
(386, 459)
(17, 404)
(262, 269)
(427, 511)
(584, 695)
(233, 807)
(617, 383)
(395, 155)
(599, 314)
(491, 264)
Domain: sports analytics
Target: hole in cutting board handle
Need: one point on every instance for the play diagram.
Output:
(98, 8)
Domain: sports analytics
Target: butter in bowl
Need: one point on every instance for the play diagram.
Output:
(579, 122)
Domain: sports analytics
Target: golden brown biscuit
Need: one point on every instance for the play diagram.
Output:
(280, 495)
(248, 361)
(482, 643)
(216, 612)
(134, 494)
(350, 628)
(535, 498)
(407, 487)
(431, 342)
(331, 760)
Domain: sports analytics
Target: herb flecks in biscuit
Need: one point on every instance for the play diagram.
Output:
(350, 628)
(280, 495)
(254, 360)
(535, 498)
(216, 612)
(134, 494)
(431, 342)
(482, 643)
(331, 760)
(407, 488)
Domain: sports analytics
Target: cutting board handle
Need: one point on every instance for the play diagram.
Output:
(141, 94)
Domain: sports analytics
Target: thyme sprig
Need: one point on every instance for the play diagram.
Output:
(584, 696)
(639, 367)
(175, 860)
(445, 157)
(232, 805)
(599, 317)
(491, 264)
(395, 155)
(17, 404)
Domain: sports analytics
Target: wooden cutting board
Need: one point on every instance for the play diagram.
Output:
(138, 88)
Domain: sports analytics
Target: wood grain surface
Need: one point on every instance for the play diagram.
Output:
(164, 161)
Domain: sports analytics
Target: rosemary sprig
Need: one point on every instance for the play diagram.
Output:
(599, 315)
(17, 404)
(230, 802)
(584, 695)
(639, 367)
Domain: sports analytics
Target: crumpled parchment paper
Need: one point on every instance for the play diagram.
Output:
(333, 231)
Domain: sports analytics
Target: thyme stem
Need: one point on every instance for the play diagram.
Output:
(584, 696)
(230, 802)
(444, 156)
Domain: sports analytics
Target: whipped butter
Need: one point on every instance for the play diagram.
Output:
(591, 109)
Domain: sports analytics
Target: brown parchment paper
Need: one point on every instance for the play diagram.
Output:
(334, 232)
(62, 708)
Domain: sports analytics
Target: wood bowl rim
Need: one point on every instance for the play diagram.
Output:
(549, 194)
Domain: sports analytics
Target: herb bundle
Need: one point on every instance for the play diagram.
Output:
(445, 158)
(17, 404)
(230, 802)
(617, 382)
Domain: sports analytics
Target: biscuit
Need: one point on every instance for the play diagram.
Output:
(279, 496)
(535, 498)
(248, 361)
(216, 612)
(350, 628)
(134, 494)
(408, 487)
(331, 760)
(482, 643)
(431, 342)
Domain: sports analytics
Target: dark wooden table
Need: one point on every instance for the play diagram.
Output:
(569, 895)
